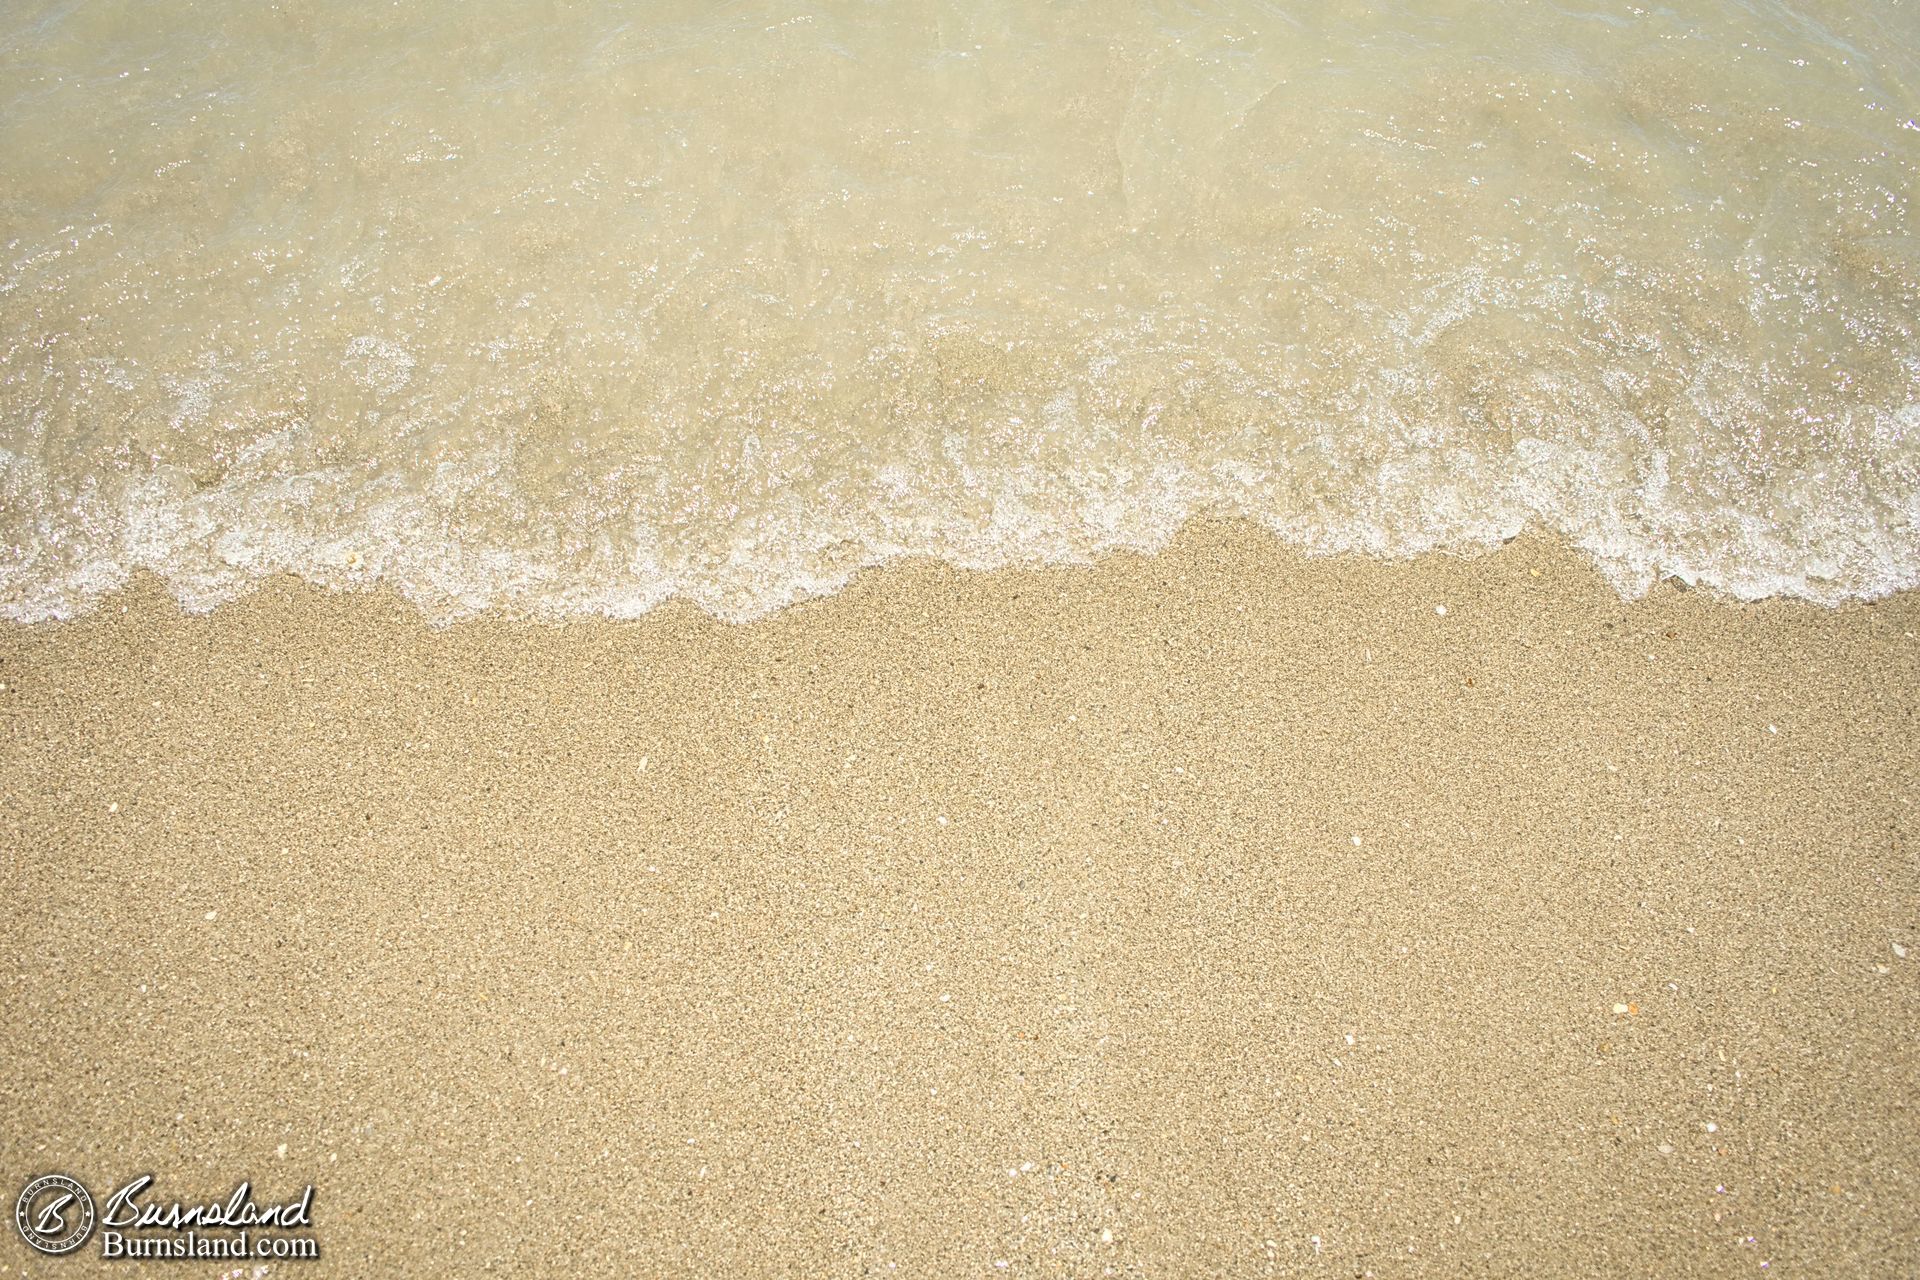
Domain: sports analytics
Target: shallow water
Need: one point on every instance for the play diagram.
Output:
(572, 308)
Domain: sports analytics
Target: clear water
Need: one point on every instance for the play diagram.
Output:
(571, 308)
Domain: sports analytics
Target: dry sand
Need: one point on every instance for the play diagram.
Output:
(1217, 912)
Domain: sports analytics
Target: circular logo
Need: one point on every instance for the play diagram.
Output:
(55, 1214)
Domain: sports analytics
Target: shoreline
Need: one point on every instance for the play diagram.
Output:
(144, 583)
(1221, 910)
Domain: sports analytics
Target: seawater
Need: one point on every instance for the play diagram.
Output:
(571, 308)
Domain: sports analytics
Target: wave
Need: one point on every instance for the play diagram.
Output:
(571, 314)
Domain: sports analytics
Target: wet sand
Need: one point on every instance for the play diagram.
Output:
(1221, 911)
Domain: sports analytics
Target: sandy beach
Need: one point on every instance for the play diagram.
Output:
(1217, 912)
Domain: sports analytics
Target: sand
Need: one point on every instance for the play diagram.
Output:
(1221, 911)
